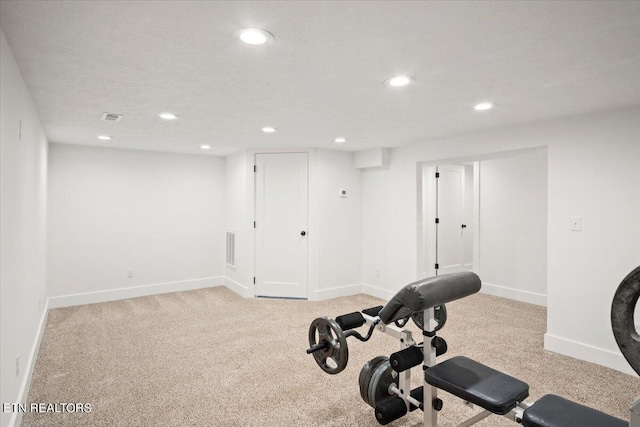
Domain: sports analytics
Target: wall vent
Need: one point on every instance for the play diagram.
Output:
(111, 117)
(231, 248)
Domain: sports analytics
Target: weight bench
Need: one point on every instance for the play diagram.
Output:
(385, 383)
(494, 391)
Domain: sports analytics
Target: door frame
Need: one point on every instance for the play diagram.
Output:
(295, 286)
(425, 267)
(312, 224)
(426, 215)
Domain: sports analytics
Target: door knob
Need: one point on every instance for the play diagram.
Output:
(464, 225)
(303, 233)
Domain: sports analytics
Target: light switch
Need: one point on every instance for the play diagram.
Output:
(576, 223)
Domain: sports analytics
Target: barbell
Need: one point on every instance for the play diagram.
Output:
(328, 339)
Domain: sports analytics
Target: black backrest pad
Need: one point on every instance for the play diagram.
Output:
(556, 411)
(428, 293)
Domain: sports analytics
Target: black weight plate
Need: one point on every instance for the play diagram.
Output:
(336, 349)
(439, 313)
(365, 376)
(382, 378)
(622, 318)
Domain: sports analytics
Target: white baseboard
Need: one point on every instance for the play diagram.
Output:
(374, 291)
(23, 393)
(236, 287)
(514, 294)
(133, 292)
(588, 353)
(340, 291)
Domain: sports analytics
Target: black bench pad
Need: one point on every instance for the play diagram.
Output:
(478, 384)
(555, 411)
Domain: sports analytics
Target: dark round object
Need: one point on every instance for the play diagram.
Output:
(407, 358)
(622, 322)
(365, 376)
(440, 345)
(383, 376)
(439, 313)
(390, 410)
(303, 233)
(334, 354)
(438, 404)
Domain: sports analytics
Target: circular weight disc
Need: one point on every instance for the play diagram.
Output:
(622, 318)
(439, 313)
(375, 377)
(365, 376)
(382, 378)
(334, 357)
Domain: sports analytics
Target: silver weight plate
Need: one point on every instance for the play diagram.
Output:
(383, 376)
(365, 376)
(439, 314)
(334, 356)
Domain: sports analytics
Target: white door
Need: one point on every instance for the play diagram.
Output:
(281, 225)
(451, 227)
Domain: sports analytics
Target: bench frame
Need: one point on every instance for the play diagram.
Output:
(403, 388)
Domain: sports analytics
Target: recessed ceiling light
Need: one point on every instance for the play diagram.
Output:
(268, 129)
(253, 36)
(168, 116)
(205, 147)
(483, 106)
(104, 137)
(399, 81)
(340, 140)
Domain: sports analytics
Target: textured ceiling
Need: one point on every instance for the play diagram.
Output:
(323, 75)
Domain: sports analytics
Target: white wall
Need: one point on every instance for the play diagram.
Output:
(339, 230)
(160, 215)
(592, 171)
(513, 226)
(23, 203)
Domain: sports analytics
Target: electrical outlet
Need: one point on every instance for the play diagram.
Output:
(130, 273)
(377, 274)
(17, 365)
(576, 223)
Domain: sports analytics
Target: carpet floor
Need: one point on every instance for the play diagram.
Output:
(211, 358)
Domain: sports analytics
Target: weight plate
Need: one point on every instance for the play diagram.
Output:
(375, 378)
(439, 313)
(622, 318)
(334, 357)
(381, 380)
(365, 376)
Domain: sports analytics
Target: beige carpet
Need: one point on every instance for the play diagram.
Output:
(211, 358)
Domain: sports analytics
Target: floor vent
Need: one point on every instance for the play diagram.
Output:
(111, 117)
(231, 248)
